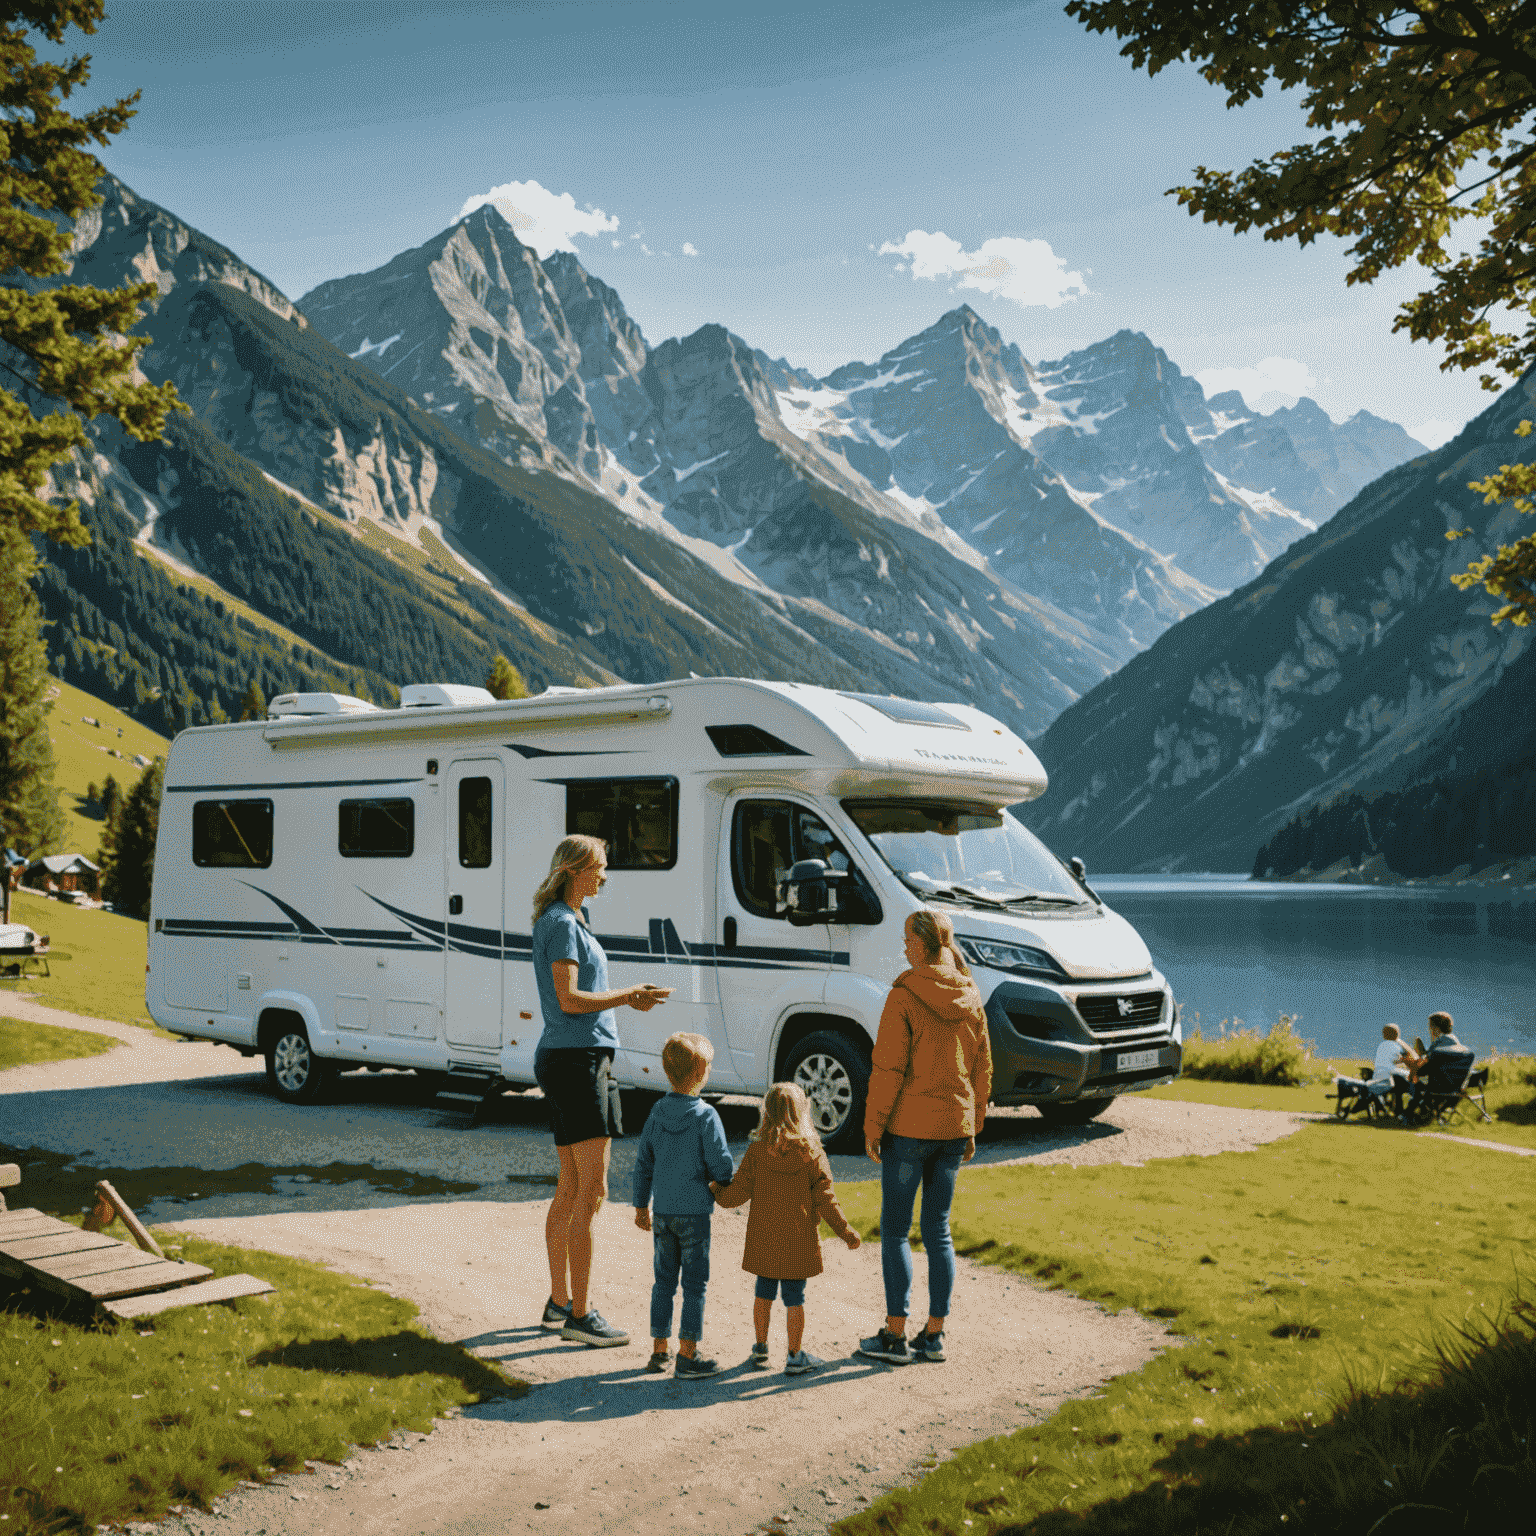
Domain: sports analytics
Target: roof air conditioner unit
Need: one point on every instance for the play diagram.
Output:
(439, 695)
(286, 704)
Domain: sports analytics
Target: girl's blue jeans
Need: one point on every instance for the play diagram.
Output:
(681, 1249)
(907, 1164)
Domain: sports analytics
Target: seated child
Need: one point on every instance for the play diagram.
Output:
(1395, 1063)
(786, 1176)
(681, 1149)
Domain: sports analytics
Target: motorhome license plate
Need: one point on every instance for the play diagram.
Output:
(1134, 1061)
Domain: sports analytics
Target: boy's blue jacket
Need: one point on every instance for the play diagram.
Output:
(682, 1148)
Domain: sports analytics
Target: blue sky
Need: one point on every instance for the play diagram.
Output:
(810, 156)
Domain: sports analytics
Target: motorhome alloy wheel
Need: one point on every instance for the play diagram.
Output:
(294, 1071)
(831, 1071)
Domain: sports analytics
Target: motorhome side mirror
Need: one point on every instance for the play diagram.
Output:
(1078, 868)
(808, 893)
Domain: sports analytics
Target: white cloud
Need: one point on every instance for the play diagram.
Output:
(1028, 272)
(689, 248)
(547, 221)
(1270, 384)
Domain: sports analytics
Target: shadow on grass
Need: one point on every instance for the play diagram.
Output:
(390, 1357)
(1451, 1454)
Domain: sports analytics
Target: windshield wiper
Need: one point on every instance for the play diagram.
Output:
(1041, 897)
(956, 892)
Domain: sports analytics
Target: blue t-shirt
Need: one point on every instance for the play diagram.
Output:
(560, 935)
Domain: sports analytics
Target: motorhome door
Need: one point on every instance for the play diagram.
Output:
(474, 868)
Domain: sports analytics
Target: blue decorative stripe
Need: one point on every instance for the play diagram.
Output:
(245, 789)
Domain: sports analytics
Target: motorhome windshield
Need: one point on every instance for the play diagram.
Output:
(963, 852)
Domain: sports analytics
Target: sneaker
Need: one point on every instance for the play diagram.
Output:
(758, 1359)
(693, 1365)
(885, 1346)
(658, 1362)
(801, 1362)
(929, 1346)
(593, 1329)
(555, 1316)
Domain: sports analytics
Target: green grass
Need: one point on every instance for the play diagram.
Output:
(106, 1424)
(1309, 1280)
(82, 757)
(23, 1043)
(1511, 1099)
(1279, 1056)
(97, 960)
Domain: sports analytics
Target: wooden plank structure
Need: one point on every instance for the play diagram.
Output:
(86, 1265)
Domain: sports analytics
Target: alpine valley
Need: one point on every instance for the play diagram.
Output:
(474, 450)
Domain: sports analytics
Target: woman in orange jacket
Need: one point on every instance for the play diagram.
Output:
(928, 1092)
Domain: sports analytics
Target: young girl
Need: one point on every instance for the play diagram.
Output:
(786, 1177)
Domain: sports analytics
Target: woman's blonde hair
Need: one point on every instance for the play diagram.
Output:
(934, 931)
(786, 1120)
(572, 855)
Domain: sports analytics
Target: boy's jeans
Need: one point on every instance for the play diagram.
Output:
(681, 1243)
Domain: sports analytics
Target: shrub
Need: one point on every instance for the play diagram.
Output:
(1279, 1057)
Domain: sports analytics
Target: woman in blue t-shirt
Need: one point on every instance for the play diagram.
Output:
(574, 1067)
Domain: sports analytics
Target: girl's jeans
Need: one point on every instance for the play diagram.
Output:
(681, 1244)
(905, 1163)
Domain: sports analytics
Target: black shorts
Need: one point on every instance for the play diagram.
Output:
(583, 1097)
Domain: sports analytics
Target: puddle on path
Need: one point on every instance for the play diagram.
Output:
(62, 1185)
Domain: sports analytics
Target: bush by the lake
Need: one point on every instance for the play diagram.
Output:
(1277, 1058)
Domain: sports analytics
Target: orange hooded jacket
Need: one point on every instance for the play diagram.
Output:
(932, 1068)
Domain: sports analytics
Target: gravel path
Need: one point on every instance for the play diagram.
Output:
(598, 1445)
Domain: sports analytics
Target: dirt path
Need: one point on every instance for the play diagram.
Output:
(600, 1446)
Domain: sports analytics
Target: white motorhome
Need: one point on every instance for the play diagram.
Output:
(341, 886)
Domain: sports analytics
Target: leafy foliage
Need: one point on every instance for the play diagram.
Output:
(128, 846)
(1279, 1057)
(1511, 573)
(504, 681)
(61, 343)
(1423, 118)
(29, 811)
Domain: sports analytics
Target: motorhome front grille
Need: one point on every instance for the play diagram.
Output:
(1120, 1010)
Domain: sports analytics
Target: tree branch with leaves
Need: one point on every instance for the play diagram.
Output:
(1423, 117)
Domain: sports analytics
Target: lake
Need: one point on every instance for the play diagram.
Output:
(1348, 959)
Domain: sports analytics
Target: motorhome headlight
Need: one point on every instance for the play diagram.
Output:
(1019, 958)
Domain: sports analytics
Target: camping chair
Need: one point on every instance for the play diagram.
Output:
(1363, 1095)
(1438, 1093)
(1473, 1092)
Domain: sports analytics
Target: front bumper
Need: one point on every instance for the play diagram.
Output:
(1089, 1040)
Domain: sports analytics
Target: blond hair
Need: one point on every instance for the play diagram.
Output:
(936, 933)
(786, 1120)
(686, 1057)
(572, 855)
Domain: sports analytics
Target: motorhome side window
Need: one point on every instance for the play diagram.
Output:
(475, 823)
(637, 818)
(767, 838)
(376, 829)
(232, 834)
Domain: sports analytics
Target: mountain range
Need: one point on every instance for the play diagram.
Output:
(1350, 701)
(472, 449)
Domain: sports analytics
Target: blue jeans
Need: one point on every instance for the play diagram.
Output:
(905, 1163)
(680, 1244)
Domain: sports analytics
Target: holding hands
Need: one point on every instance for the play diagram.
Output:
(643, 1217)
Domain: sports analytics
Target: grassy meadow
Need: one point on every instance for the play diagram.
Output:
(1317, 1291)
(107, 1423)
(25, 1044)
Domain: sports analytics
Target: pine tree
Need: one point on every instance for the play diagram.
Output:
(504, 681)
(30, 820)
(252, 705)
(128, 865)
(111, 800)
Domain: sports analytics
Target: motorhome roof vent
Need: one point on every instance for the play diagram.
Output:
(560, 688)
(443, 695)
(288, 704)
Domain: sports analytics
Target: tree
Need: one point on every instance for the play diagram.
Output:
(65, 350)
(504, 681)
(252, 705)
(111, 800)
(1423, 115)
(128, 854)
(30, 819)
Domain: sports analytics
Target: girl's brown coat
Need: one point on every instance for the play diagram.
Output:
(790, 1191)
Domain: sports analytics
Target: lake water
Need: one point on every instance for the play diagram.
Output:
(1348, 959)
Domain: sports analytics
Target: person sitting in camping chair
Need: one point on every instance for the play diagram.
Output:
(1442, 1077)
(1393, 1072)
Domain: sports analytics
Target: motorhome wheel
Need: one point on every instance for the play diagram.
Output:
(294, 1072)
(1079, 1112)
(834, 1072)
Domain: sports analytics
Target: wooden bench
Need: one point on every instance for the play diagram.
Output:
(126, 1280)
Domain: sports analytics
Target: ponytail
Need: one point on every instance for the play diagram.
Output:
(936, 933)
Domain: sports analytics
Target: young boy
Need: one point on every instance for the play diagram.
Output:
(681, 1149)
